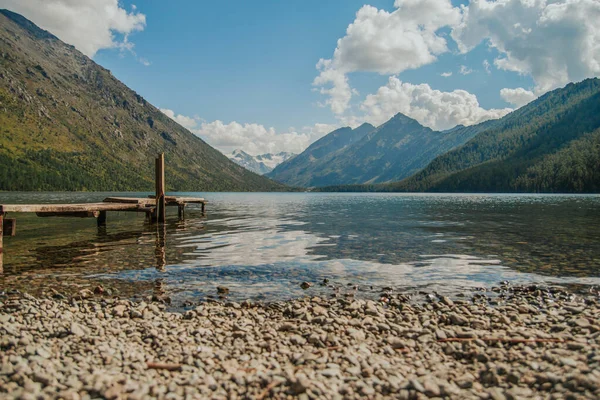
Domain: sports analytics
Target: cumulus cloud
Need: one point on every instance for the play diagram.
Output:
(555, 42)
(340, 92)
(433, 108)
(252, 138)
(446, 74)
(89, 25)
(517, 97)
(258, 139)
(464, 70)
(187, 122)
(386, 43)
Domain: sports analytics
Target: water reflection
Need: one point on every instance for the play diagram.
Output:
(262, 246)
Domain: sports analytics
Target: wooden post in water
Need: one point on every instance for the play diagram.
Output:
(101, 219)
(161, 203)
(1, 240)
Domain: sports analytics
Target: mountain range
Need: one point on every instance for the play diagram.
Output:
(260, 164)
(68, 124)
(368, 155)
(549, 145)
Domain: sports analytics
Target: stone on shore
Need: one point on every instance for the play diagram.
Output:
(524, 346)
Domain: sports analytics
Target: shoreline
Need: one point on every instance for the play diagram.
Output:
(533, 342)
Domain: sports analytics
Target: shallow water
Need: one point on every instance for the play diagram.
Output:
(263, 245)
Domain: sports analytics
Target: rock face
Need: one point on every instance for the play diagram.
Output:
(69, 124)
(531, 344)
(302, 169)
(261, 164)
(368, 155)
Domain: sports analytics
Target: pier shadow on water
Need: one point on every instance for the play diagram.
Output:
(263, 246)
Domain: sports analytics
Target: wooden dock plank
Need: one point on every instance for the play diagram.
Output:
(151, 201)
(74, 214)
(111, 204)
(186, 200)
(65, 208)
(134, 200)
(179, 200)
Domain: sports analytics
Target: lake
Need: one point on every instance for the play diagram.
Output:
(262, 246)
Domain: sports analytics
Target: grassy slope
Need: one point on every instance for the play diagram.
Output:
(67, 124)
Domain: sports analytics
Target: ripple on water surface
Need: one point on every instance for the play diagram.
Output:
(262, 246)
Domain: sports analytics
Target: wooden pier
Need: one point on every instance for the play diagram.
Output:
(153, 206)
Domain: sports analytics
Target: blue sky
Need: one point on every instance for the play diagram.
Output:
(255, 61)
(244, 73)
(238, 60)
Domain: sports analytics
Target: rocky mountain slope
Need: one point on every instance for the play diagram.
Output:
(395, 150)
(306, 168)
(260, 164)
(68, 124)
(549, 145)
(369, 155)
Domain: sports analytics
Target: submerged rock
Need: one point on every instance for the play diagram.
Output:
(222, 290)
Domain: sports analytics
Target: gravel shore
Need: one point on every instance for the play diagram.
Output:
(509, 343)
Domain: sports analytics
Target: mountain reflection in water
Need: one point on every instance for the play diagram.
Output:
(262, 246)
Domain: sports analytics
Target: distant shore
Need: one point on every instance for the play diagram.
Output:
(533, 342)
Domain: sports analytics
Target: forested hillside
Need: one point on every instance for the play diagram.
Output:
(549, 145)
(66, 123)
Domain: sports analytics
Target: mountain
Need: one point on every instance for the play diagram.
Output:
(273, 160)
(549, 145)
(303, 170)
(393, 151)
(260, 164)
(67, 124)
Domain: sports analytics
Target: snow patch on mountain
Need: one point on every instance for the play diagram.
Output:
(260, 164)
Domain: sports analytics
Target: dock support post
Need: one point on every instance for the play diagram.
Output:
(181, 211)
(160, 189)
(101, 219)
(1, 241)
(203, 208)
(160, 247)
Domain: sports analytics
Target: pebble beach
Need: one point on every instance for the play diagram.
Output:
(504, 343)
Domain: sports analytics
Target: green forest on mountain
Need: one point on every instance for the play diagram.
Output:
(67, 123)
(551, 145)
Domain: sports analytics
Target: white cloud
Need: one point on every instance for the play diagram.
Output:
(487, 66)
(187, 122)
(386, 43)
(555, 42)
(257, 139)
(252, 138)
(517, 97)
(446, 74)
(464, 70)
(89, 25)
(433, 108)
(339, 93)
